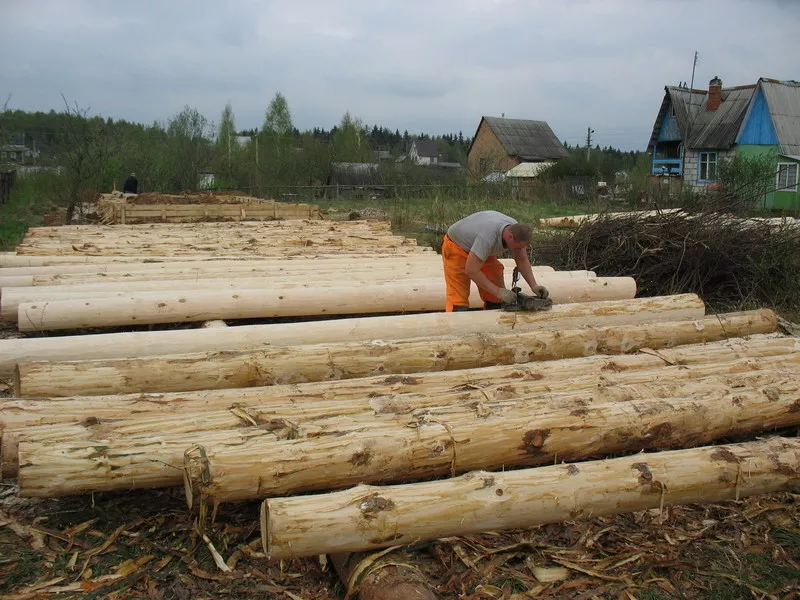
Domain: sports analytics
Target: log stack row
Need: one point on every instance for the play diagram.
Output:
(418, 425)
(118, 208)
(358, 268)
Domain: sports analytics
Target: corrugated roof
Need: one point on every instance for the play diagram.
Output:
(685, 102)
(783, 100)
(528, 169)
(529, 140)
(426, 148)
(717, 129)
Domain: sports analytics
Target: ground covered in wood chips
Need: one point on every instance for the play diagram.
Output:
(142, 544)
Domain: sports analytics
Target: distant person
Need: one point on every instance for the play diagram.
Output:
(131, 184)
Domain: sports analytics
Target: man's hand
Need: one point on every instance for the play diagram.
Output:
(541, 291)
(507, 296)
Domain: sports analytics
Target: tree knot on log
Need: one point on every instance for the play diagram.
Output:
(405, 380)
(374, 504)
(724, 455)
(362, 458)
(646, 480)
(657, 433)
(533, 441)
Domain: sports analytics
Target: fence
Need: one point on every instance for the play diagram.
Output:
(570, 191)
(6, 183)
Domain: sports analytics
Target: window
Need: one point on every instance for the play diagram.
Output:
(787, 177)
(708, 166)
(483, 164)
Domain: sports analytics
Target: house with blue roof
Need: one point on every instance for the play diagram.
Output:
(697, 129)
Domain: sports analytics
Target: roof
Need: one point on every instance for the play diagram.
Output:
(529, 140)
(719, 129)
(783, 100)
(528, 169)
(426, 148)
(495, 177)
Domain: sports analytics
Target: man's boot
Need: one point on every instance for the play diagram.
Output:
(460, 308)
(492, 305)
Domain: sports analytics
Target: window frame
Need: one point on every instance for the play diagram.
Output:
(700, 162)
(787, 188)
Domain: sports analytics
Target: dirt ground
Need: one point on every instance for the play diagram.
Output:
(141, 544)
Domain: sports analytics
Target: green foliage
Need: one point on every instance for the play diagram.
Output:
(276, 147)
(746, 180)
(574, 165)
(188, 151)
(31, 198)
(278, 119)
(349, 142)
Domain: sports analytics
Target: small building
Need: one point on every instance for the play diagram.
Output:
(15, 153)
(501, 144)
(424, 152)
(695, 130)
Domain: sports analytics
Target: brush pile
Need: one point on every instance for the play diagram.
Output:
(728, 261)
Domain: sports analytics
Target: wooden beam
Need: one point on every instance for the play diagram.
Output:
(251, 337)
(367, 517)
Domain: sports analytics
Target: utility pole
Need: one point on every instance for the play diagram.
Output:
(691, 120)
(589, 132)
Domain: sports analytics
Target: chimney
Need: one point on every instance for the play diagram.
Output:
(714, 94)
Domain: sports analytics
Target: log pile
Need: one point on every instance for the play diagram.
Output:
(118, 208)
(359, 264)
(254, 239)
(410, 421)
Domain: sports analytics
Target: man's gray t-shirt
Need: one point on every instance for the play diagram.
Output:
(481, 233)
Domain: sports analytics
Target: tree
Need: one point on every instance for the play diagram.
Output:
(189, 151)
(350, 143)
(277, 137)
(84, 146)
(226, 139)
(747, 180)
(278, 119)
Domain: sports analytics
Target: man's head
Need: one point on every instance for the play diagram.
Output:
(517, 236)
(133, 174)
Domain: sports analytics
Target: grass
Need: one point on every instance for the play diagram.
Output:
(31, 198)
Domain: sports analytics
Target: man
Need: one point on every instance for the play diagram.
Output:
(469, 253)
(131, 184)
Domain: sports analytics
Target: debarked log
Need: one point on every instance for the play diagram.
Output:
(292, 418)
(735, 355)
(267, 296)
(252, 462)
(180, 306)
(319, 362)
(368, 517)
(446, 444)
(147, 343)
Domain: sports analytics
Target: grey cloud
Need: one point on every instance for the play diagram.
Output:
(417, 65)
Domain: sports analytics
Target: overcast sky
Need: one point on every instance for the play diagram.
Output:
(432, 66)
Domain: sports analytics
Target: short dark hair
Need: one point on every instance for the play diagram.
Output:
(521, 232)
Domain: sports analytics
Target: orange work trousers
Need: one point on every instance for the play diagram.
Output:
(454, 258)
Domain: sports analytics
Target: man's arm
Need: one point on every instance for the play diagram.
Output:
(524, 265)
(473, 271)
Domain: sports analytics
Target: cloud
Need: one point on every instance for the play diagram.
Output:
(433, 65)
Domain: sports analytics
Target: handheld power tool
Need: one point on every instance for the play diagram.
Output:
(524, 301)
